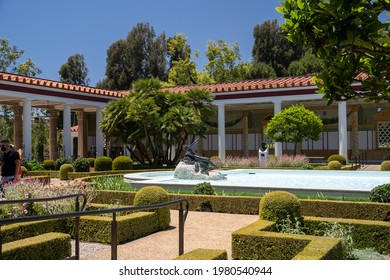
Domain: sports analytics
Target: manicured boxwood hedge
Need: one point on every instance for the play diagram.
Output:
(48, 246)
(130, 227)
(365, 234)
(257, 242)
(18, 231)
(250, 205)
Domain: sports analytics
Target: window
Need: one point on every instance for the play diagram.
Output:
(384, 134)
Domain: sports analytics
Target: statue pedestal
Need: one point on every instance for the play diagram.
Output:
(190, 172)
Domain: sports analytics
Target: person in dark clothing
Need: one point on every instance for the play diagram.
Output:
(10, 164)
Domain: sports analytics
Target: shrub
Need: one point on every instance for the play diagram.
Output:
(34, 165)
(278, 206)
(338, 158)
(103, 164)
(49, 164)
(91, 161)
(64, 171)
(334, 165)
(204, 188)
(59, 162)
(155, 195)
(385, 165)
(308, 166)
(81, 165)
(380, 193)
(122, 163)
(287, 161)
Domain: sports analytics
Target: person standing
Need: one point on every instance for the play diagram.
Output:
(10, 163)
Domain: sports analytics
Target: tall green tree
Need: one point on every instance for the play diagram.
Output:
(9, 60)
(294, 124)
(222, 60)
(349, 38)
(75, 71)
(272, 47)
(307, 64)
(141, 55)
(182, 70)
(154, 123)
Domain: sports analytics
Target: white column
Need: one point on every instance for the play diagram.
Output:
(27, 152)
(343, 145)
(221, 132)
(278, 145)
(67, 132)
(99, 133)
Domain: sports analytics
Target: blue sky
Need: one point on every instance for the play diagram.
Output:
(51, 31)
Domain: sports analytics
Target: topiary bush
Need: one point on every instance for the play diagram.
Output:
(155, 195)
(122, 163)
(103, 163)
(380, 193)
(385, 165)
(338, 158)
(91, 161)
(278, 206)
(204, 188)
(64, 171)
(334, 165)
(49, 164)
(59, 162)
(81, 165)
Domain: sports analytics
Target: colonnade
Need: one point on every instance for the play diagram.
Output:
(23, 130)
(342, 130)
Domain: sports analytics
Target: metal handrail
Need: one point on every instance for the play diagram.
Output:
(359, 160)
(114, 238)
(387, 157)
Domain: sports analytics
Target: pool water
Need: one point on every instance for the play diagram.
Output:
(304, 181)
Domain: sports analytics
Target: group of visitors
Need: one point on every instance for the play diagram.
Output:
(10, 170)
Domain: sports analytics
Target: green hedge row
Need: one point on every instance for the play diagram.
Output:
(204, 254)
(130, 227)
(365, 234)
(250, 205)
(48, 246)
(13, 232)
(257, 242)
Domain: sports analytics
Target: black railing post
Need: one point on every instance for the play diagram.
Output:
(114, 238)
(181, 230)
(77, 231)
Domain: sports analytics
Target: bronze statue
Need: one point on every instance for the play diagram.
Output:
(201, 163)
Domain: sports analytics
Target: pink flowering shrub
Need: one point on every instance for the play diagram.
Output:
(287, 161)
(31, 188)
(253, 162)
(236, 162)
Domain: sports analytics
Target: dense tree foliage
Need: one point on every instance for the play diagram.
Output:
(142, 55)
(294, 124)
(9, 60)
(222, 60)
(307, 64)
(349, 38)
(182, 71)
(272, 47)
(154, 123)
(74, 71)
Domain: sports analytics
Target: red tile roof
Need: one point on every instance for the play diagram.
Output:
(249, 85)
(270, 83)
(53, 84)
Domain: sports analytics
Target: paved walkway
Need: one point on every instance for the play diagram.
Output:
(202, 230)
(372, 167)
